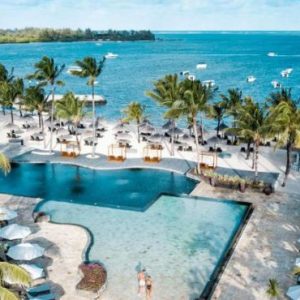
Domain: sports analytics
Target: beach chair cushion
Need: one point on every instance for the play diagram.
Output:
(38, 289)
(43, 297)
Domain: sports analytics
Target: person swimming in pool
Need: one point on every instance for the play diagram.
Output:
(149, 287)
(141, 276)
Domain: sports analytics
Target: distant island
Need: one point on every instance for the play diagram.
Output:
(31, 35)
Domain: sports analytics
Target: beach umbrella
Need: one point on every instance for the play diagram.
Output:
(123, 136)
(222, 127)
(7, 214)
(120, 127)
(294, 292)
(11, 126)
(155, 138)
(14, 232)
(168, 125)
(25, 251)
(213, 140)
(34, 271)
(175, 131)
(187, 139)
(147, 129)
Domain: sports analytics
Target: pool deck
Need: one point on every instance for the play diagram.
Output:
(267, 247)
(65, 246)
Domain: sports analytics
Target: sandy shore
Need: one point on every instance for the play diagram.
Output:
(267, 248)
(64, 244)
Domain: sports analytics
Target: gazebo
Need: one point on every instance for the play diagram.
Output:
(69, 149)
(152, 153)
(116, 152)
(208, 160)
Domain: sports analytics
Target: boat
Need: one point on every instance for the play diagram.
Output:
(209, 83)
(73, 68)
(276, 84)
(272, 54)
(201, 66)
(110, 55)
(185, 73)
(191, 77)
(287, 72)
(251, 79)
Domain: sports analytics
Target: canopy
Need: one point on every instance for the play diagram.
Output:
(147, 128)
(34, 271)
(123, 136)
(12, 126)
(155, 138)
(294, 292)
(7, 214)
(175, 130)
(14, 231)
(25, 251)
(187, 139)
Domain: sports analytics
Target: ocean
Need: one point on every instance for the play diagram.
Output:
(230, 57)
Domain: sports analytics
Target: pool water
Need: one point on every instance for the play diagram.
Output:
(178, 239)
(133, 189)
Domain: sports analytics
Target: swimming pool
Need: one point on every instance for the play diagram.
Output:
(180, 240)
(132, 189)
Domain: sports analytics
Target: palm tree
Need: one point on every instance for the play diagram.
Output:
(251, 123)
(217, 112)
(135, 112)
(47, 73)
(232, 103)
(13, 274)
(195, 100)
(91, 69)
(5, 76)
(9, 92)
(284, 121)
(4, 164)
(284, 95)
(166, 92)
(273, 290)
(72, 109)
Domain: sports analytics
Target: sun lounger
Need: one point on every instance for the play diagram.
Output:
(43, 297)
(38, 289)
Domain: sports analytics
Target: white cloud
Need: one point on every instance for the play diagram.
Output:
(155, 14)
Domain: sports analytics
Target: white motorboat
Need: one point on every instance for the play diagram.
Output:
(286, 72)
(73, 68)
(185, 73)
(111, 55)
(276, 84)
(272, 54)
(209, 83)
(251, 79)
(201, 66)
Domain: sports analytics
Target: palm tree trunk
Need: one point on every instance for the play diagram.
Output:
(20, 111)
(288, 162)
(248, 149)
(94, 127)
(51, 120)
(201, 128)
(172, 138)
(138, 131)
(256, 159)
(41, 125)
(11, 114)
(218, 126)
(197, 143)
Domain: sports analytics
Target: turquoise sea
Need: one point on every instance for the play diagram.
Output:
(230, 58)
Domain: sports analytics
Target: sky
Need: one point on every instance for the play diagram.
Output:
(152, 14)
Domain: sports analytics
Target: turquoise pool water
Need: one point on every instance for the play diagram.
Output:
(133, 189)
(179, 240)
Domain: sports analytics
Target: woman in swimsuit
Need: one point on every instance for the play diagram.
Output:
(149, 287)
(141, 281)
